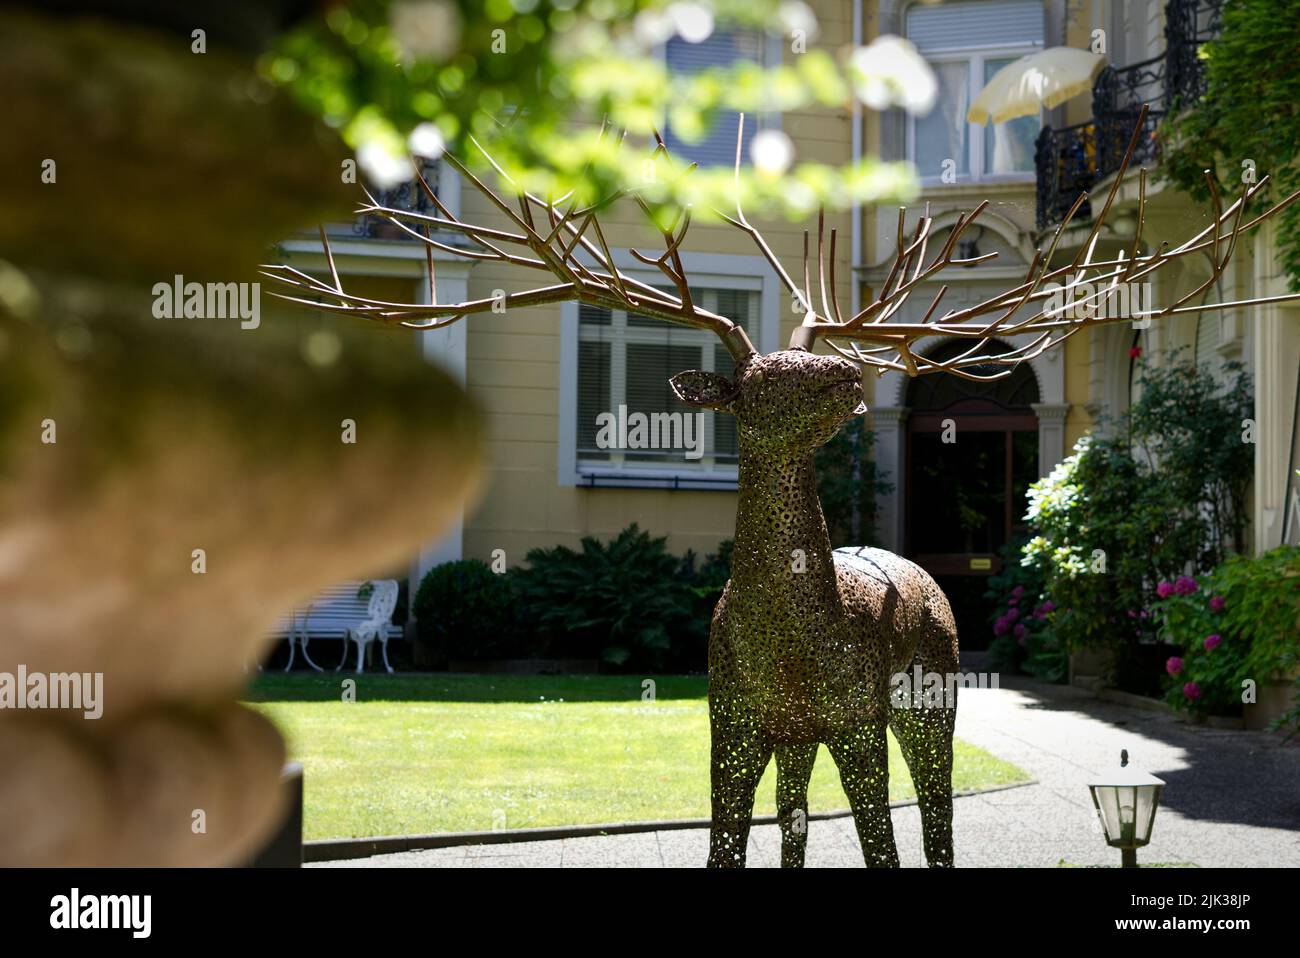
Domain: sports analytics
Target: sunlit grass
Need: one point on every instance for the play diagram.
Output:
(418, 754)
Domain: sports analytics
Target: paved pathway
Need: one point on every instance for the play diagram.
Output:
(1232, 799)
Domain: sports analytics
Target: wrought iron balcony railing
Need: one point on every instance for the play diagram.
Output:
(1066, 165)
(1071, 159)
(408, 196)
(1188, 24)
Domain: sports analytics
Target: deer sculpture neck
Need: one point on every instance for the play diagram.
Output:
(779, 523)
(786, 405)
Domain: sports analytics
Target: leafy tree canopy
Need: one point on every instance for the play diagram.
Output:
(1248, 123)
(566, 95)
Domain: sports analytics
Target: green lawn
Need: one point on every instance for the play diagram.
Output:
(416, 754)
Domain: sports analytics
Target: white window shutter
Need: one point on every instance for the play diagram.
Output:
(722, 48)
(975, 23)
(628, 360)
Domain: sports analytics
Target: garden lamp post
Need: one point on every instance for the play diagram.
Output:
(1126, 801)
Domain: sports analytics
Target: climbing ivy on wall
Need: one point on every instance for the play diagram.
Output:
(1248, 122)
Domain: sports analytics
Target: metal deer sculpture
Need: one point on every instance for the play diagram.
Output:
(804, 640)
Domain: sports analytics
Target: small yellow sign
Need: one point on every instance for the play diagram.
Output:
(981, 565)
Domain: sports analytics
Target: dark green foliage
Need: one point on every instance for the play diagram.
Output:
(848, 484)
(624, 602)
(1253, 607)
(1024, 641)
(1191, 425)
(690, 653)
(465, 611)
(713, 572)
(1164, 493)
(1249, 117)
(629, 604)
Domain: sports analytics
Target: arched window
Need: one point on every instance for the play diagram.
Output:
(940, 391)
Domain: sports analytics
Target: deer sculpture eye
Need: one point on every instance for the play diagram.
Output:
(757, 377)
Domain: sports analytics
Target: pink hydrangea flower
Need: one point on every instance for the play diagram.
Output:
(1020, 630)
(1174, 665)
(1211, 641)
(1013, 602)
(1165, 590)
(1217, 604)
(1185, 585)
(1049, 606)
(1001, 627)
(1192, 691)
(1012, 614)
(1018, 591)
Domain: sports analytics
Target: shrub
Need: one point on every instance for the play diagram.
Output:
(690, 651)
(624, 603)
(1104, 530)
(1246, 120)
(1163, 494)
(1023, 636)
(848, 485)
(712, 575)
(466, 611)
(1239, 622)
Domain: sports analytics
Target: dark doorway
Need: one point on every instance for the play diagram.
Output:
(972, 451)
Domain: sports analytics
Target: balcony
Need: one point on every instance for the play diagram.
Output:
(408, 196)
(1070, 160)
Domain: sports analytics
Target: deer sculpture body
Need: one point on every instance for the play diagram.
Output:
(805, 640)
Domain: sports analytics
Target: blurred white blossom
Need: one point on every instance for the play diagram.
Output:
(652, 27)
(771, 152)
(426, 140)
(890, 72)
(426, 29)
(381, 166)
(692, 21)
(797, 16)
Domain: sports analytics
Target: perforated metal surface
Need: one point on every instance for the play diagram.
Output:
(804, 641)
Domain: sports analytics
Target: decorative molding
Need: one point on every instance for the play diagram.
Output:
(1054, 412)
(889, 414)
(1051, 434)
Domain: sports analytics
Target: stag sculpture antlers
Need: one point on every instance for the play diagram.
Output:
(804, 640)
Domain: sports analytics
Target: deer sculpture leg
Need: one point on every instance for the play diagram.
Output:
(740, 753)
(925, 738)
(794, 765)
(924, 731)
(862, 757)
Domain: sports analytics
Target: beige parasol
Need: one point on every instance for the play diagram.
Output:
(1040, 79)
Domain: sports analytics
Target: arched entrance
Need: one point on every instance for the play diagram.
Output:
(971, 453)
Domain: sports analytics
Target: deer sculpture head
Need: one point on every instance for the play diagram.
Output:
(799, 652)
(786, 403)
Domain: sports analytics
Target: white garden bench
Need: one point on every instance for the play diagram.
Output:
(338, 613)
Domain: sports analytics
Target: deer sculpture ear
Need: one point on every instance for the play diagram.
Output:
(696, 387)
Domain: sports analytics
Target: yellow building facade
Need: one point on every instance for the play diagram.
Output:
(540, 374)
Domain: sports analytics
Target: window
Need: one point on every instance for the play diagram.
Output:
(722, 48)
(625, 360)
(966, 43)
